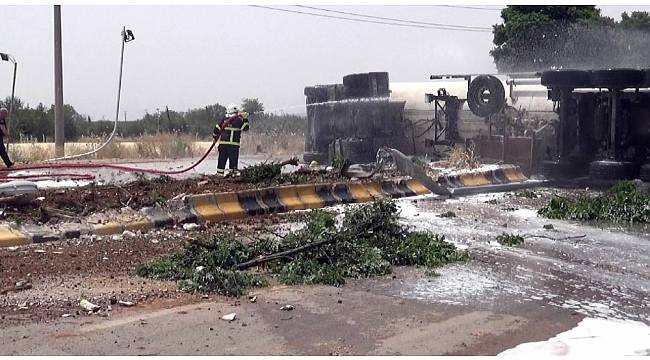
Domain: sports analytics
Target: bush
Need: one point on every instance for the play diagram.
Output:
(510, 239)
(622, 203)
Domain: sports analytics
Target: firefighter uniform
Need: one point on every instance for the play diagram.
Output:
(229, 141)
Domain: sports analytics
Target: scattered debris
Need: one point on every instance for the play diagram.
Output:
(528, 194)
(253, 299)
(39, 251)
(265, 172)
(66, 315)
(229, 317)
(287, 307)
(126, 303)
(128, 233)
(549, 227)
(448, 214)
(18, 286)
(190, 226)
(88, 306)
(510, 239)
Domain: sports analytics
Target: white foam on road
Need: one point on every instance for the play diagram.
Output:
(591, 338)
(452, 171)
(53, 184)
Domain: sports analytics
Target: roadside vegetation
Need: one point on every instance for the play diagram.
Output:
(368, 241)
(166, 134)
(624, 202)
(510, 239)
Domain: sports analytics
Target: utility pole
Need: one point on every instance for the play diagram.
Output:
(59, 137)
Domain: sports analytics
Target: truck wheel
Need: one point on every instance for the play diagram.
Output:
(617, 78)
(486, 95)
(565, 79)
(645, 173)
(558, 169)
(612, 170)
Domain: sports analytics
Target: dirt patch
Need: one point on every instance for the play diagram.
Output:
(98, 269)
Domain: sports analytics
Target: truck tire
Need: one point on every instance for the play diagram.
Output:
(645, 173)
(558, 169)
(617, 78)
(486, 95)
(565, 79)
(612, 170)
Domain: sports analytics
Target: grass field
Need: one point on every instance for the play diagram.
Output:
(161, 146)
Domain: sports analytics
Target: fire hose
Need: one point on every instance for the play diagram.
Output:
(126, 168)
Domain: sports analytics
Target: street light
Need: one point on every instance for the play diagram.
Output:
(127, 35)
(9, 57)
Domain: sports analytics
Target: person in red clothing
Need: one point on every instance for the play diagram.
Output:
(4, 133)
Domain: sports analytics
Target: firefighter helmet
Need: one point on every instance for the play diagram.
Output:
(232, 109)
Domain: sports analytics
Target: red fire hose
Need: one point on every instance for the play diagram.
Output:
(3, 177)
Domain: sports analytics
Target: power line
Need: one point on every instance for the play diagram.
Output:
(369, 21)
(469, 7)
(394, 19)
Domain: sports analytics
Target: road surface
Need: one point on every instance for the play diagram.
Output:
(503, 297)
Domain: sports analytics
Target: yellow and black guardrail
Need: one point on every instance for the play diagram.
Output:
(214, 207)
(225, 206)
(506, 174)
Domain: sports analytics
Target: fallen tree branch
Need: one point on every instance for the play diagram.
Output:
(274, 233)
(293, 161)
(283, 254)
(202, 244)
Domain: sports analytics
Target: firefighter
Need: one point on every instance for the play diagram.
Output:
(230, 138)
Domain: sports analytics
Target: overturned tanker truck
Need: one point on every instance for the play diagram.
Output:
(561, 123)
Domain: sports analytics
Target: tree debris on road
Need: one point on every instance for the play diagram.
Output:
(265, 172)
(624, 202)
(368, 242)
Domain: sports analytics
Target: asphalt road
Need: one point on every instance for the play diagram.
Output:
(503, 297)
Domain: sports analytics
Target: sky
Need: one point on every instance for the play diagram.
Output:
(191, 56)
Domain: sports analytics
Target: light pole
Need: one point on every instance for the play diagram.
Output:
(59, 122)
(127, 35)
(9, 57)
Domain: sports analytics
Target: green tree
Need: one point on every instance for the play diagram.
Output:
(639, 20)
(531, 35)
(536, 38)
(252, 105)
